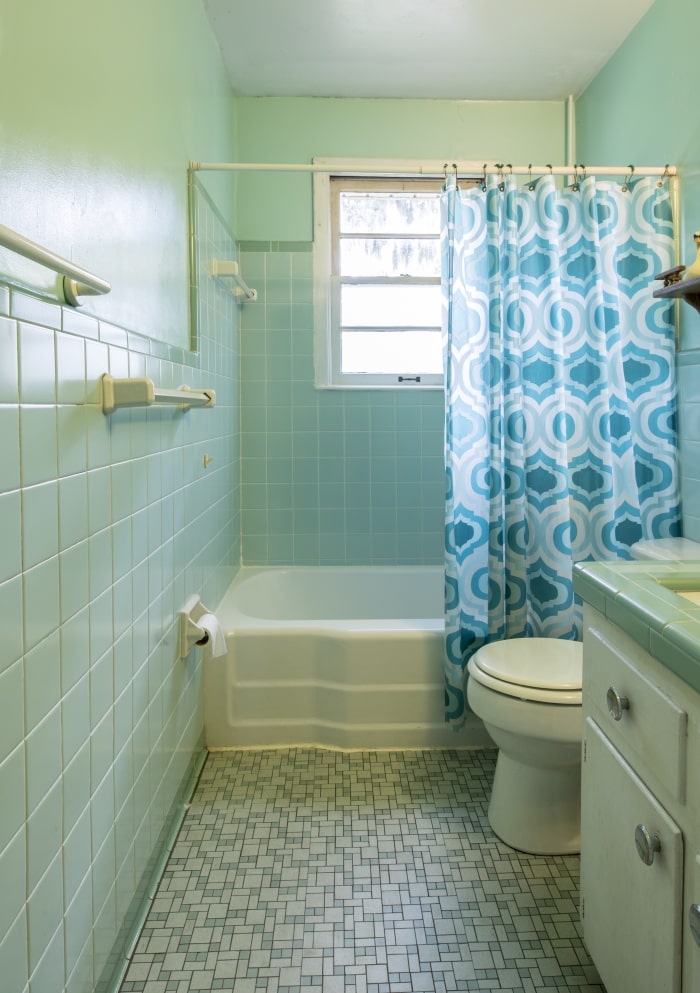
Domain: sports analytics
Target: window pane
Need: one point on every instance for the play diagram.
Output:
(390, 256)
(391, 306)
(396, 213)
(391, 352)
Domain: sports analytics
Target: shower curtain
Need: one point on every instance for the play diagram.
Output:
(560, 438)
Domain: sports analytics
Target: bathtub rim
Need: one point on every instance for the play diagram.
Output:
(234, 620)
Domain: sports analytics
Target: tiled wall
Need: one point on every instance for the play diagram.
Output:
(688, 367)
(108, 523)
(333, 476)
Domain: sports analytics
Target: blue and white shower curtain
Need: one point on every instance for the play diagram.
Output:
(560, 438)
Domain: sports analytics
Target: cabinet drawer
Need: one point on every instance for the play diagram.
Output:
(651, 729)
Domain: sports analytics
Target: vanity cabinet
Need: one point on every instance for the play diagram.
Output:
(640, 816)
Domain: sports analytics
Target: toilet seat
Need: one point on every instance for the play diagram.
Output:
(544, 670)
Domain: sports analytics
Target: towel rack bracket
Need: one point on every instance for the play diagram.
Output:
(229, 269)
(140, 392)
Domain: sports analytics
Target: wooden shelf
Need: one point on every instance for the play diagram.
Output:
(686, 289)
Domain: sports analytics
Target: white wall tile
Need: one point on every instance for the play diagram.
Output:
(99, 512)
(12, 784)
(9, 448)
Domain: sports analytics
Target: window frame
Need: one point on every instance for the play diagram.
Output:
(327, 330)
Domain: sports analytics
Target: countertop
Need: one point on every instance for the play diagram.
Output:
(636, 597)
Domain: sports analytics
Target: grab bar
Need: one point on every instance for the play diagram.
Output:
(140, 392)
(77, 281)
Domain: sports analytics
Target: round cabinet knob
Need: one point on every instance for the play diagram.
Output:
(617, 703)
(647, 844)
(695, 922)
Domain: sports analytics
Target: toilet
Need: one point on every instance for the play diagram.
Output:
(527, 691)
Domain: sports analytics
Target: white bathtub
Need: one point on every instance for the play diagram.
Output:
(341, 657)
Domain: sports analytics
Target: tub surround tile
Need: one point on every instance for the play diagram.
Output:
(337, 437)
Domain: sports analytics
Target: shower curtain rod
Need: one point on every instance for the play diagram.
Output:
(476, 169)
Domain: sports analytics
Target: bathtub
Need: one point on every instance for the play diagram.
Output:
(340, 657)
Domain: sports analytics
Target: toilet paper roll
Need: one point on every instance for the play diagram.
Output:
(217, 641)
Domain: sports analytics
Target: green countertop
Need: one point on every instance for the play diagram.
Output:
(639, 598)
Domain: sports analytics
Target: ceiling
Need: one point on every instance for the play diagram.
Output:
(442, 49)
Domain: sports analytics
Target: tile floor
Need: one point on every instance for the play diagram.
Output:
(364, 872)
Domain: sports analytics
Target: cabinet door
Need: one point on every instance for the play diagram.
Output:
(632, 912)
(691, 934)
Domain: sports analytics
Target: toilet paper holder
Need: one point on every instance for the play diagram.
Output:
(191, 633)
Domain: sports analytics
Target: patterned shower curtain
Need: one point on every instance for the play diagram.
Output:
(560, 437)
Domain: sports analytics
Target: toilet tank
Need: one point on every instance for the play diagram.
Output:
(666, 549)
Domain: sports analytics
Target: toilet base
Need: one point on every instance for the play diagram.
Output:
(536, 810)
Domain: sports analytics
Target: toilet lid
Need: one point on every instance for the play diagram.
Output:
(533, 663)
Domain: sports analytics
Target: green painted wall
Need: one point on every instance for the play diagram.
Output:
(104, 105)
(278, 206)
(642, 108)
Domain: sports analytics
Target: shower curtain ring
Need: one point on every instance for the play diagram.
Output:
(501, 184)
(628, 179)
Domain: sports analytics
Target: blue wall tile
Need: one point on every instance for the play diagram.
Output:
(347, 464)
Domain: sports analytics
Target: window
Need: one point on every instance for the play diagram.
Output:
(377, 275)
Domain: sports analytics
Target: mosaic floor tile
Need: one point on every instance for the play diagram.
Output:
(361, 872)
